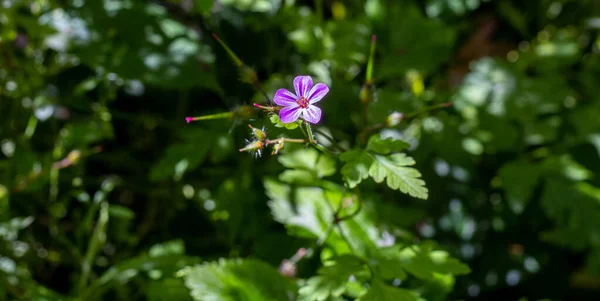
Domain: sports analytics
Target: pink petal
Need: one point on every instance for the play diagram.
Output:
(285, 98)
(312, 114)
(317, 93)
(302, 85)
(289, 114)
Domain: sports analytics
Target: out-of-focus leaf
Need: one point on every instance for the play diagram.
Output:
(408, 50)
(142, 265)
(420, 262)
(308, 212)
(379, 291)
(183, 156)
(169, 289)
(236, 279)
(519, 179)
(332, 278)
(309, 160)
(386, 146)
(575, 209)
(356, 168)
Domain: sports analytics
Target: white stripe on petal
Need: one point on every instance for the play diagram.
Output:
(284, 98)
(312, 114)
(317, 93)
(302, 85)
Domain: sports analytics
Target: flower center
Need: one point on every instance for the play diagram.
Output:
(302, 102)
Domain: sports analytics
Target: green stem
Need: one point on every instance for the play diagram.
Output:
(311, 140)
(333, 142)
(95, 244)
(290, 140)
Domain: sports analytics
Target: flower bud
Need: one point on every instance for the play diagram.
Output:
(254, 146)
(248, 75)
(366, 93)
(287, 268)
(243, 112)
(277, 147)
(258, 133)
(394, 119)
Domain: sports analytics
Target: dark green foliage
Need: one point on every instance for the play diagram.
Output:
(463, 166)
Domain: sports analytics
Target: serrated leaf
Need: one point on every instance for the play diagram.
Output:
(380, 291)
(234, 280)
(332, 278)
(277, 123)
(399, 176)
(385, 146)
(356, 168)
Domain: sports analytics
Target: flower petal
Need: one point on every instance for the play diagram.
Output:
(312, 114)
(317, 93)
(285, 98)
(302, 85)
(289, 114)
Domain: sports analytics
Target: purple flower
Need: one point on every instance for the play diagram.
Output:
(301, 103)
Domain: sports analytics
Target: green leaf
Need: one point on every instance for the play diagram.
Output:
(380, 291)
(356, 168)
(332, 278)
(296, 176)
(169, 289)
(277, 122)
(203, 6)
(385, 146)
(392, 262)
(407, 49)
(310, 160)
(519, 179)
(235, 280)
(574, 208)
(399, 176)
(181, 157)
(120, 212)
(127, 270)
(387, 265)
(423, 264)
(308, 212)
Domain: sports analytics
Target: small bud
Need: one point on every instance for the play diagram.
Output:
(394, 119)
(366, 93)
(254, 146)
(248, 75)
(277, 147)
(243, 112)
(189, 119)
(287, 268)
(258, 133)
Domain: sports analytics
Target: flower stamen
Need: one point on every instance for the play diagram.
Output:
(302, 102)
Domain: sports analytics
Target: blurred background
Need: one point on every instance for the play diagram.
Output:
(101, 175)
